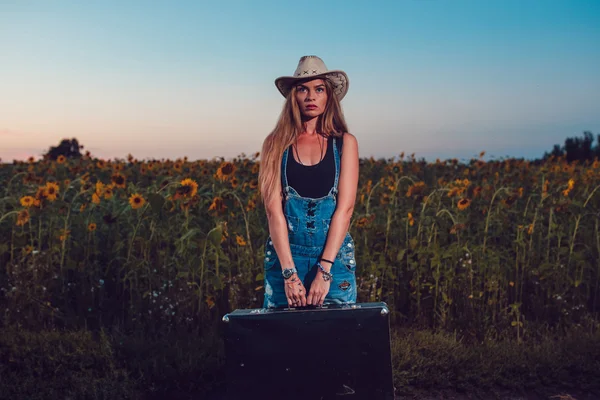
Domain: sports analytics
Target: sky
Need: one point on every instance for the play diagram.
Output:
(168, 79)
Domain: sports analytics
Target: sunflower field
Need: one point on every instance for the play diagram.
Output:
(486, 248)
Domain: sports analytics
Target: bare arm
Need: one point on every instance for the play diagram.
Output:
(347, 187)
(278, 229)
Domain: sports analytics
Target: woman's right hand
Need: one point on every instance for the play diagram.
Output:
(295, 291)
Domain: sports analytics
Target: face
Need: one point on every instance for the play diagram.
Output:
(312, 97)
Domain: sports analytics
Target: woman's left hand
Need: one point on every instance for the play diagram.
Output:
(318, 290)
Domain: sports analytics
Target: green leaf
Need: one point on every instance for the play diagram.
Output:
(215, 235)
(189, 234)
(182, 274)
(156, 202)
(400, 255)
(259, 277)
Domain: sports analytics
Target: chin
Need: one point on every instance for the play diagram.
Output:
(313, 113)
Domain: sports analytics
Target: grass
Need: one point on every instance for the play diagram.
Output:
(86, 365)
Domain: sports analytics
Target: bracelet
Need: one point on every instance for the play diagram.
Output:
(326, 275)
(324, 259)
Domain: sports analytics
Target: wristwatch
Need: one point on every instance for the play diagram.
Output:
(288, 272)
(327, 276)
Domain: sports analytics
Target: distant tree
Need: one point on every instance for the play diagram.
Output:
(67, 148)
(577, 148)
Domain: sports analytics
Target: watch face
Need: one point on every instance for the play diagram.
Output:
(287, 273)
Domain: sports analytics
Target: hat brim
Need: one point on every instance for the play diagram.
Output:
(338, 78)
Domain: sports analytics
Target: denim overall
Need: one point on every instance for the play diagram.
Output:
(308, 223)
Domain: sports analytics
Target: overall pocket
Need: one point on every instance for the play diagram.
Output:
(347, 254)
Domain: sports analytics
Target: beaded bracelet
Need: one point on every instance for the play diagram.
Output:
(326, 275)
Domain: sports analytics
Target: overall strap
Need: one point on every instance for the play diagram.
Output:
(336, 157)
(284, 180)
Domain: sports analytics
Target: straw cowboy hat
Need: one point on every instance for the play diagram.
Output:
(314, 67)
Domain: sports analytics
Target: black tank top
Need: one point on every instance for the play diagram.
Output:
(313, 181)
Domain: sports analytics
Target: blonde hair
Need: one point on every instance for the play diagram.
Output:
(287, 129)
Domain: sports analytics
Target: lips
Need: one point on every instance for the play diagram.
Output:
(311, 107)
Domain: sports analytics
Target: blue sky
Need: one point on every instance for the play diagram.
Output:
(167, 79)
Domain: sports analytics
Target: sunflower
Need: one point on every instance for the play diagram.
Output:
(411, 220)
(545, 188)
(27, 201)
(509, 201)
(64, 233)
(415, 189)
(61, 159)
(457, 228)
(118, 180)
(82, 207)
(108, 192)
(27, 249)
(67, 182)
(240, 240)
(143, 170)
(178, 167)
(384, 199)
(100, 164)
(363, 222)
(95, 198)
(99, 188)
(51, 191)
(253, 184)
(251, 205)
(92, 226)
(225, 170)
(570, 187)
(217, 205)
(463, 203)
(255, 167)
(188, 188)
(136, 200)
(22, 217)
(454, 192)
(234, 182)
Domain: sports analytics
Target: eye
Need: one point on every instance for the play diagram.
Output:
(319, 90)
(301, 89)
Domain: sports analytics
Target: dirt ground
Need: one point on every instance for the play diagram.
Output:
(553, 394)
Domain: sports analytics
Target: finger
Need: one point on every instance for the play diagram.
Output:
(309, 299)
(302, 297)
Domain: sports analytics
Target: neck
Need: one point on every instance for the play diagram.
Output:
(310, 125)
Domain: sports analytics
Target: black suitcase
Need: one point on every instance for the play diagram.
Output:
(328, 352)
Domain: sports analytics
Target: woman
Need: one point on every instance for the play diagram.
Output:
(308, 180)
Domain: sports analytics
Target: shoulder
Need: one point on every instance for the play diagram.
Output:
(349, 140)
